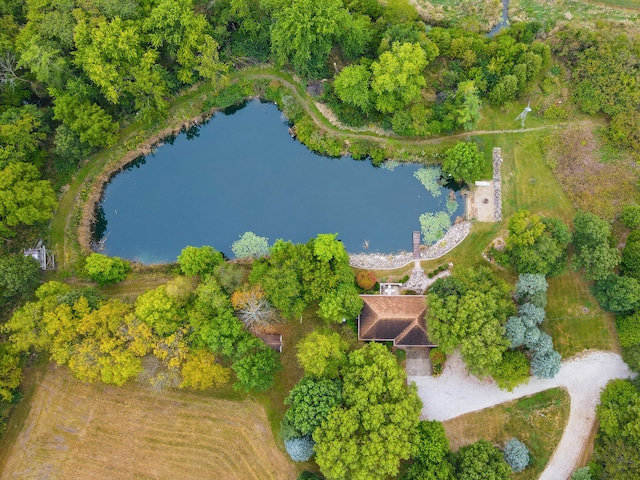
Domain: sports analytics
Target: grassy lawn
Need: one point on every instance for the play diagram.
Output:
(574, 319)
(134, 432)
(538, 421)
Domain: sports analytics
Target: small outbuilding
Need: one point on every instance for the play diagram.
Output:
(273, 341)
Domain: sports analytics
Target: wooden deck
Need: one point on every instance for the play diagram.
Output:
(416, 245)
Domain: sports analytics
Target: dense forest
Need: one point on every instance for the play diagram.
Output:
(76, 74)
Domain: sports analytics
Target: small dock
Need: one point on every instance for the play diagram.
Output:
(416, 245)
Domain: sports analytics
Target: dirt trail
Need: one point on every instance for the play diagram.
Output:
(456, 392)
(325, 123)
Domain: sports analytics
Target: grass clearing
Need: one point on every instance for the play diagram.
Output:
(538, 421)
(575, 320)
(134, 432)
(548, 12)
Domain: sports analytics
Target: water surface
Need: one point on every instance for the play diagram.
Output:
(243, 172)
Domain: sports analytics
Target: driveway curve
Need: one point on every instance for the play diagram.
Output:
(456, 392)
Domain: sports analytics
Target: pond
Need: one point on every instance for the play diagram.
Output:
(242, 172)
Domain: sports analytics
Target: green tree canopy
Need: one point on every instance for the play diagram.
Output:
(106, 270)
(304, 32)
(537, 245)
(472, 318)
(19, 276)
(353, 86)
(376, 426)
(310, 402)
(481, 460)
(397, 76)
(617, 446)
(24, 199)
(322, 354)
(199, 260)
(464, 162)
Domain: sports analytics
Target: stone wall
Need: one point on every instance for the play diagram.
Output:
(497, 183)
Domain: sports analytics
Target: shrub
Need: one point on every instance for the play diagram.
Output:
(631, 356)
(531, 337)
(529, 284)
(618, 293)
(515, 331)
(531, 315)
(583, 473)
(545, 365)
(512, 371)
(516, 454)
(437, 358)
(106, 270)
(199, 260)
(544, 344)
(628, 329)
(300, 449)
(306, 475)
(250, 245)
(554, 112)
(366, 279)
(630, 216)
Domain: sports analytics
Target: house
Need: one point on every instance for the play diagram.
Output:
(394, 318)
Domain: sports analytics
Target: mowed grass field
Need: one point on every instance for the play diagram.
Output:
(77, 430)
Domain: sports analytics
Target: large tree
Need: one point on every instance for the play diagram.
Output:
(537, 245)
(617, 447)
(311, 401)
(376, 425)
(24, 198)
(463, 162)
(592, 244)
(397, 76)
(469, 311)
(304, 32)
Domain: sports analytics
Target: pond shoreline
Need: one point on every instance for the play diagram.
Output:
(380, 261)
(99, 183)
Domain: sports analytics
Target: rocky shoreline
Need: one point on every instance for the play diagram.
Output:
(381, 261)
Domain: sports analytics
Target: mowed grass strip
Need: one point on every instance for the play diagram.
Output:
(78, 430)
(538, 421)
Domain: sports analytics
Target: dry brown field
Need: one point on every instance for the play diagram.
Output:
(77, 430)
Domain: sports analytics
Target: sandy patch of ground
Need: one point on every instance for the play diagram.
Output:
(456, 392)
(481, 204)
(77, 430)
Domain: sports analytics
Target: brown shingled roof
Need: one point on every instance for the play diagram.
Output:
(394, 317)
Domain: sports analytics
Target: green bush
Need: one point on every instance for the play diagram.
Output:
(437, 358)
(512, 371)
(106, 270)
(554, 112)
(199, 260)
(630, 216)
(516, 454)
(628, 327)
(401, 355)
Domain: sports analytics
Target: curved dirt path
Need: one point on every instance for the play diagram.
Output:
(456, 392)
(323, 122)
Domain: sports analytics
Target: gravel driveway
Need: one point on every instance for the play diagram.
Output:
(456, 392)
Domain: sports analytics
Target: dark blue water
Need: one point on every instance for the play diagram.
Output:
(504, 19)
(243, 172)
